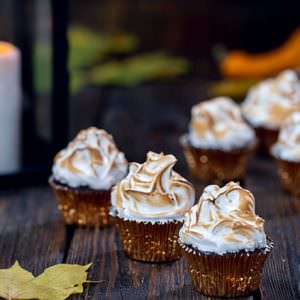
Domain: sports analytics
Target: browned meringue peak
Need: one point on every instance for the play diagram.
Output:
(271, 101)
(91, 159)
(153, 189)
(224, 220)
(287, 146)
(217, 123)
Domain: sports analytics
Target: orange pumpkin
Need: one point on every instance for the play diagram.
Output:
(242, 64)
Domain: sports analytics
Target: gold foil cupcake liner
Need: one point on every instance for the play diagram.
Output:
(217, 166)
(227, 275)
(289, 173)
(149, 242)
(267, 137)
(83, 207)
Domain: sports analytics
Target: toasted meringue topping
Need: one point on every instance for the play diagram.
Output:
(218, 124)
(224, 220)
(288, 145)
(153, 189)
(91, 159)
(271, 101)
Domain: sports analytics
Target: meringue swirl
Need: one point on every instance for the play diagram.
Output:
(153, 190)
(271, 101)
(224, 220)
(287, 146)
(218, 124)
(90, 160)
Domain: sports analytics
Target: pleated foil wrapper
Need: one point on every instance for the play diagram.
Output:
(289, 173)
(267, 137)
(228, 275)
(217, 166)
(149, 241)
(83, 207)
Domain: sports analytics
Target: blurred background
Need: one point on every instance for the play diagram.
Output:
(136, 67)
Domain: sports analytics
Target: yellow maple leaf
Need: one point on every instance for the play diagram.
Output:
(57, 282)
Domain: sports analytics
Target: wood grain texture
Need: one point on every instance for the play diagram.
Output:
(281, 212)
(126, 278)
(31, 230)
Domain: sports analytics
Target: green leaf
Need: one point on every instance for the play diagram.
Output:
(57, 282)
(139, 68)
(87, 46)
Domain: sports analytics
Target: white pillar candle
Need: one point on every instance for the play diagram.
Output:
(10, 108)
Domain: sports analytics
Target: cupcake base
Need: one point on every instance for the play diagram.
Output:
(217, 166)
(149, 242)
(228, 275)
(82, 206)
(289, 173)
(267, 137)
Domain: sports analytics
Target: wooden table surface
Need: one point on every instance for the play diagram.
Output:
(32, 231)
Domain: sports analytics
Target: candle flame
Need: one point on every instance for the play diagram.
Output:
(6, 48)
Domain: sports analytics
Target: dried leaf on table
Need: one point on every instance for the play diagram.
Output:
(57, 282)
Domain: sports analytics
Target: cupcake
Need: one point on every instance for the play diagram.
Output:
(269, 103)
(286, 152)
(224, 242)
(219, 143)
(83, 174)
(149, 206)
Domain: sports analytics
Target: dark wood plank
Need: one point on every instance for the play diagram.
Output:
(281, 212)
(125, 278)
(31, 229)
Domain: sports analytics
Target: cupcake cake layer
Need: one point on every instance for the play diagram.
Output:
(149, 242)
(84, 207)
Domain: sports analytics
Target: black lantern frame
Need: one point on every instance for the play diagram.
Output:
(37, 154)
